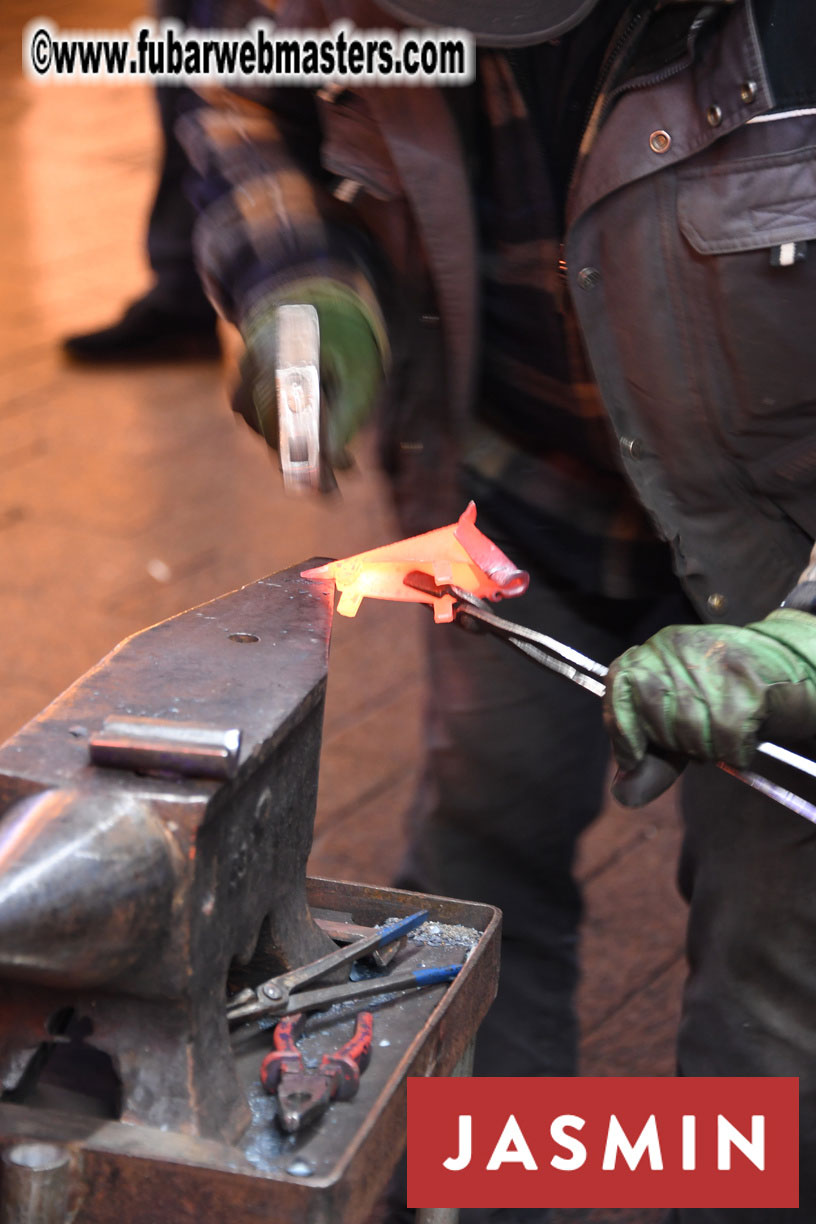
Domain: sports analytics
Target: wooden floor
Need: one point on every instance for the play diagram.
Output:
(128, 496)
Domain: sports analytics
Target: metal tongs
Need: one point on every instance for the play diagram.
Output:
(590, 675)
(281, 995)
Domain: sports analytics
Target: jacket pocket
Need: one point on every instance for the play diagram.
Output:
(749, 231)
(749, 206)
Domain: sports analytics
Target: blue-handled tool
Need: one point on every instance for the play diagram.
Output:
(281, 996)
(382, 984)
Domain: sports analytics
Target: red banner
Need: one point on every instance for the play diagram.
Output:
(603, 1142)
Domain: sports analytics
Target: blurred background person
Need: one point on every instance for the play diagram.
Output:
(174, 319)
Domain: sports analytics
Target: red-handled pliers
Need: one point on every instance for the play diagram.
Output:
(304, 1095)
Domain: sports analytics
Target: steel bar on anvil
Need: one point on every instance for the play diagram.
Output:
(125, 899)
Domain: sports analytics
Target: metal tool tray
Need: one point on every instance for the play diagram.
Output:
(126, 1174)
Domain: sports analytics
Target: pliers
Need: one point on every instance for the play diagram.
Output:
(591, 675)
(304, 1095)
(280, 996)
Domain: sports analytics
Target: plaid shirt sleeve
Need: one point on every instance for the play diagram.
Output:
(267, 217)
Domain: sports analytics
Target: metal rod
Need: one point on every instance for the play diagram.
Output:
(596, 687)
(787, 757)
(159, 745)
(794, 803)
(36, 1184)
(477, 609)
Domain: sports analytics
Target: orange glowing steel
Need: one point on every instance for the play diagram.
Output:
(458, 555)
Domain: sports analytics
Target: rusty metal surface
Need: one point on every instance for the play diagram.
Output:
(330, 1174)
(129, 899)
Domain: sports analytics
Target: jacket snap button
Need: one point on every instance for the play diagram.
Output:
(714, 116)
(748, 91)
(588, 278)
(633, 447)
(717, 604)
(660, 142)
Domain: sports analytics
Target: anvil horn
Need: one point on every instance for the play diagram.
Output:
(86, 884)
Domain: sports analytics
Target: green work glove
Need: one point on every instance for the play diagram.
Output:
(353, 351)
(711, 693)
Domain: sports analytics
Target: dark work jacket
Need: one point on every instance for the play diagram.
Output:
(700, 175)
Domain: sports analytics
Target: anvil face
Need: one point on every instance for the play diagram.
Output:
(128, 897)
(254, 658)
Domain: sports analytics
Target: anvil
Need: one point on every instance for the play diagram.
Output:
(133, 883)
(155, 823)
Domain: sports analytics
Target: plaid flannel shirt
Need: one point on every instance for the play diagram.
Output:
(267, 216)
(540, 449)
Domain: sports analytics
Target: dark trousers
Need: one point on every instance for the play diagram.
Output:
(177, 287)
(747, 870)
(516, 766)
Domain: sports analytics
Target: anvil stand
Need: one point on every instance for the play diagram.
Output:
(155, 823)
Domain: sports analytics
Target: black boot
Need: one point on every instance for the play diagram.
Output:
(149, 332)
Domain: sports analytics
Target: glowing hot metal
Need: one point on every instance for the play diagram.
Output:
(459, 555)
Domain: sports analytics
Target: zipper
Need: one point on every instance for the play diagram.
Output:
(596, 115)
(671, 70)
(626, 28)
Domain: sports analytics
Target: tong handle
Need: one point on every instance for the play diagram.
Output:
(352, 952)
